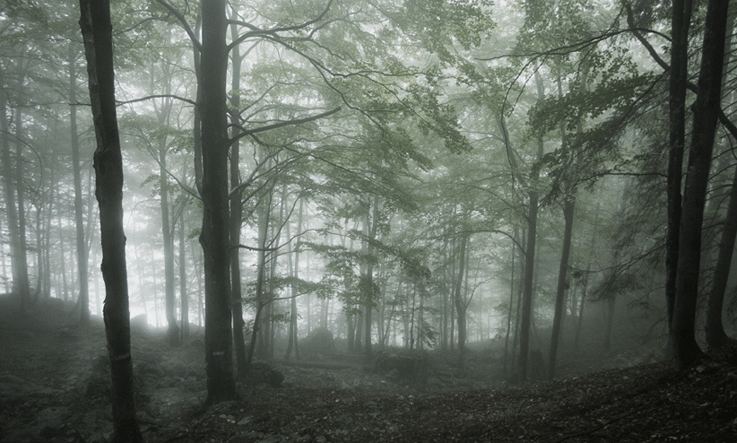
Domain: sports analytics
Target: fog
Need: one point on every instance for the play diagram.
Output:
(353, 220)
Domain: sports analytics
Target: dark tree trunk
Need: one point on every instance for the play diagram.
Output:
(568, 209)
(9, 185)
(24, 288)
(236, 210)
(214, 236)
(529, 282)
(97, 34)
(715, 335)
(706, 111)
(677, 114)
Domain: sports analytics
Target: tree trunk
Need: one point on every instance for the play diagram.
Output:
(529, 283)
(568, 209)
(460, 302)
(10, 204)
(24, 287)
(706, 110)
(97, 34)
(236, 210)
(168, 237)
(214, 236)
(184, 311)
(511, 304)
(715, 335)
(78, 206)
(681, 20)
(293, 344)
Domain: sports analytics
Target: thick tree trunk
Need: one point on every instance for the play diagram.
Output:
(214, 236)
(681, 20)
(706, 111)
(97, 34)
(568, 209)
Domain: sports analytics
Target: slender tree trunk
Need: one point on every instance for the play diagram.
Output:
(9, 185)
(168, 237)
(214, 236)
(584, 288)
(511, 304)
(78, 205)
(24, 287)
(460, 302)
(97, 34)
(706, 110)
(568, 210)
(293, 344)
(236, 210)
(183, 279)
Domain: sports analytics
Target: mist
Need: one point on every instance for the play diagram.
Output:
(367, 220)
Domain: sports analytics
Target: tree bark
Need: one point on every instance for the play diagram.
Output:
(78, 205)
(97, 34)
(184, 312)
(236, 210)
(706, 111)
(24, 287)
(460, 302)
(214, 237)
(568, 209)
(293, 343)
(716, 337)
(9, 186)
(681, 20)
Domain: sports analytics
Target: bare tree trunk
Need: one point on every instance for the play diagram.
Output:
(184, 313)
(23, 282)
(706, 110)
(236, 210)
(97, 34)
(681, 19)
(78, 206)
(9, 185)
(568, 210)
(715, 335)
(510, 310)
(214, 236)
(293, 344)
(460, 302)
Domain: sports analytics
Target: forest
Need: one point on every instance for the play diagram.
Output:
(368, 220)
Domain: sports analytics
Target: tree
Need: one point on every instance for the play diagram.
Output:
(214, 236)
(706, 113)
(96, 29)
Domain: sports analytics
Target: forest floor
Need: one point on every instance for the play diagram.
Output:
(54, 388)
